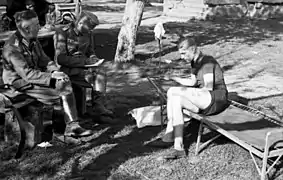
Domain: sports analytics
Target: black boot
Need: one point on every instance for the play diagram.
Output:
(58, 122)
(71, 118)
(73, 129)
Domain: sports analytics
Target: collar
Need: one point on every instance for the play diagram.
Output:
(22, 39)
(76, 31)
(198, 57)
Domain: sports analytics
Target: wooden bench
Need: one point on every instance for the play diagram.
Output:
(258, 133)
(24, 130)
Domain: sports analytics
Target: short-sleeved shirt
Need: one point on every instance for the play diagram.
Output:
(207, 64)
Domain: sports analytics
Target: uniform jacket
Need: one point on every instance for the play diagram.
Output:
(26, 63)
(72, 50)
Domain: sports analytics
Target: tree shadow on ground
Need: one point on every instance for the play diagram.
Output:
(210, 32)
(121, 147)
(103, 8)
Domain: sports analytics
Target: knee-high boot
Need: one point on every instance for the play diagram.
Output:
(58, 123)
(71, 118)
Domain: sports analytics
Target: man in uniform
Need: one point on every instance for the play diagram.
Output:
(74, 49)
(27, 69)
(204, 92)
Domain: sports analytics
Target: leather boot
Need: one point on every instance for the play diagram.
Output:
(71, 118)
(58, 123)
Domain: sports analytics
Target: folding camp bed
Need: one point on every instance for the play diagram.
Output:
(258, 133)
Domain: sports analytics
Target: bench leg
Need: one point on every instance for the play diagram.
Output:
(23, 133)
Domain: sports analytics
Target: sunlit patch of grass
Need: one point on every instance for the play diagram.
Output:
(124, 132)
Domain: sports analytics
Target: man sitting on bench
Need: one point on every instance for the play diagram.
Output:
(74, 51)
(27, 69)
(204, 92)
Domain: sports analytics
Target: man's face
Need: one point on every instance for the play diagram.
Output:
(187, 54)
(84, 26)
(30, 28)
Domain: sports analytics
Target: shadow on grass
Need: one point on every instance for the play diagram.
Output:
(210, 32)
(104, 8)
(119, 148)
(49, 161)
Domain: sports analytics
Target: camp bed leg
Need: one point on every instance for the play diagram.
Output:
(265, 157)
(264, 170)
(200, 130)
(163, 113)
(199, 146)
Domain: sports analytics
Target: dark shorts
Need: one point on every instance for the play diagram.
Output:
(219, 102)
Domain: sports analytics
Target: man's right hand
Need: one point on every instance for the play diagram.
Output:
(93, 61)
(59, 76)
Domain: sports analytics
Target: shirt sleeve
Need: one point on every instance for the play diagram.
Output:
(33, 76)
(91, 47)
(61, 53)
(45, 62)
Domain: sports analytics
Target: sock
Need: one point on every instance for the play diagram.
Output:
(178, 143)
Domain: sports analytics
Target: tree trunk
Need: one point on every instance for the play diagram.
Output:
(127, 37)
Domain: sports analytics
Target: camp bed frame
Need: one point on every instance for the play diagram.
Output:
(264, 139)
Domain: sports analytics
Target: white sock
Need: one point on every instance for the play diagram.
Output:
(178, 143)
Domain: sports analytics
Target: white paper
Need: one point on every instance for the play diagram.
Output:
(45, 145)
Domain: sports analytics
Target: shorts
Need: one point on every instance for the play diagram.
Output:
(219, 102)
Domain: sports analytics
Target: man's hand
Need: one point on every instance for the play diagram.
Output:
(93, 61)
(60, 76)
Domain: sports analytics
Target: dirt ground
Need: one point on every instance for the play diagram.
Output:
(250, 53)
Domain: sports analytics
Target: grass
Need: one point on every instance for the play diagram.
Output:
(118, 152)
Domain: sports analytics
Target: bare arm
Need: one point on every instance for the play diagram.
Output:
(192, 81)
(208, 81)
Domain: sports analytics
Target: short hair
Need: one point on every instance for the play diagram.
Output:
(91, 18)
(24, 15)
(187, 42)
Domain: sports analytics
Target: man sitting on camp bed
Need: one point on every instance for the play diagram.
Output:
(27, 69)
(204, 92)
(74, 50)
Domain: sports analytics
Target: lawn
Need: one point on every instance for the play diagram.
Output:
(250, 53)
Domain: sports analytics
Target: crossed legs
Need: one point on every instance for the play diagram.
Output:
(192, 99)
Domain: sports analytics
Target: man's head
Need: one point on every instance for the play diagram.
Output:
(86, 22)
(188, 49)
(27, 23)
